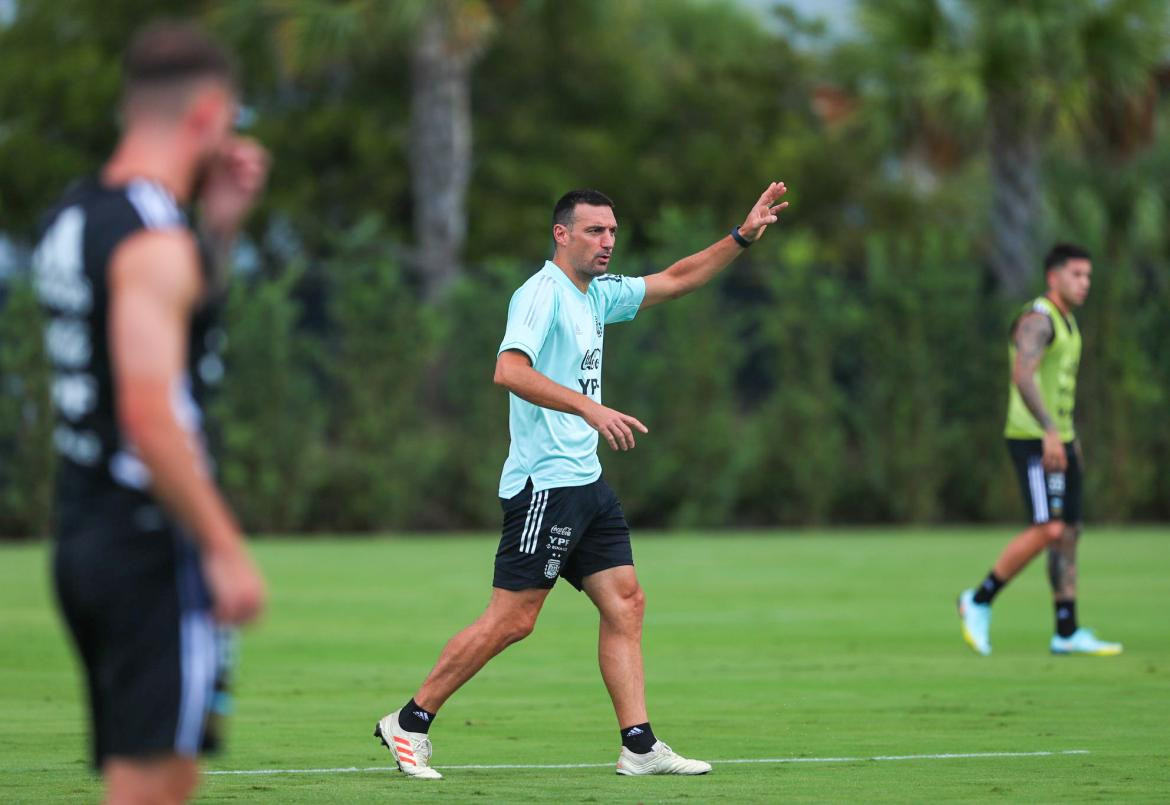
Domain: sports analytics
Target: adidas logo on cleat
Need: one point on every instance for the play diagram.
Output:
(404, 753)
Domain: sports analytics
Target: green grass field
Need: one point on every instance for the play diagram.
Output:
(811, 645)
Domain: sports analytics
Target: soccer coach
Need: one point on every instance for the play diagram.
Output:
(560, 516)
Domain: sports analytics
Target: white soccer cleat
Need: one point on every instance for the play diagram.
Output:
(1083, 641)
(411, 750)
(661, 759)
(976, 622)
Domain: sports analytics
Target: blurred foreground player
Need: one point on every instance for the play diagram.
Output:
(1045, 353)
(148, 558)
(560, 516)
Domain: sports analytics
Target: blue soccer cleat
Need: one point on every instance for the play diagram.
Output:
(1083, 641)
(976, 622)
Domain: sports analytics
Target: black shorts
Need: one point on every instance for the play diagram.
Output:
(131, 590)
(1047, 495)
(570, 531)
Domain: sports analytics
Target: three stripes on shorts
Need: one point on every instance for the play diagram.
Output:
(533, 521)
(1039, 489)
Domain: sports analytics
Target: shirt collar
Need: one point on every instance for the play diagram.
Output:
(555, 270)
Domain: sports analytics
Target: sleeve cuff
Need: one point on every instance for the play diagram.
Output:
(519, 346)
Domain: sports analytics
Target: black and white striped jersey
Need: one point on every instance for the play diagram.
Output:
(70, 269)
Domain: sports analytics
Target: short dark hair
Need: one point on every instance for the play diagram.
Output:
(1061, 253)
(169, 52)
(563, 211)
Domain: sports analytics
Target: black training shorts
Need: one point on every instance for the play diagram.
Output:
(131, 590)
(570, 531)
(1047, 495)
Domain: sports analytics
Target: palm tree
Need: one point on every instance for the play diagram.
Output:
(445, 39)
(450, 38)
(1006, 76)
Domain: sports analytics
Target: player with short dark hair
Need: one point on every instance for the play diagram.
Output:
(148, 560)
(561, 519)
(1045, 353)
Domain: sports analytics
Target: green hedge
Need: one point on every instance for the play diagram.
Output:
(797, 389)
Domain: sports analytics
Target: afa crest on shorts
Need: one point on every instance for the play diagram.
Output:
(551, 568)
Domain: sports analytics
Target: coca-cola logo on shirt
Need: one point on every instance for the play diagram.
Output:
(592, 360)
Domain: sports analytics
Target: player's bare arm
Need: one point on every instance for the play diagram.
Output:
(698, 269)
(154, 284)
(515, 373)
(1032, 336)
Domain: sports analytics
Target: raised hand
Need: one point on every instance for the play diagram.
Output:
(233, 182)
(765, 211)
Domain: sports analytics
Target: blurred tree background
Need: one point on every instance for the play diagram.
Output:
(850, 368)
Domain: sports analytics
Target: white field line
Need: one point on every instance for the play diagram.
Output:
(767, 760)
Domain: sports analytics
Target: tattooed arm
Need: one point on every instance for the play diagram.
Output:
(1032, 336)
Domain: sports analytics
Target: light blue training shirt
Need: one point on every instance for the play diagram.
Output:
(562, 331)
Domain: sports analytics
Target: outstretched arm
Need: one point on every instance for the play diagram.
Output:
(1033, 332)
(515, 373)
(696, 270)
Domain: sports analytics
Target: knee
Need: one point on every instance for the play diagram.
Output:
(170, 780)
(631, 604)
(185, 783)
(518, 626)
(1052, 531)
(638, 603)
(521, 627)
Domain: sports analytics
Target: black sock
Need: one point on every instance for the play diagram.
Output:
(638, 738)
(1066, 617)
(985, 593)
(413, 718)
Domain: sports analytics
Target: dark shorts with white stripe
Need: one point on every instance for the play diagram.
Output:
(570, 532)
(131, 590)
(1047, 495)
